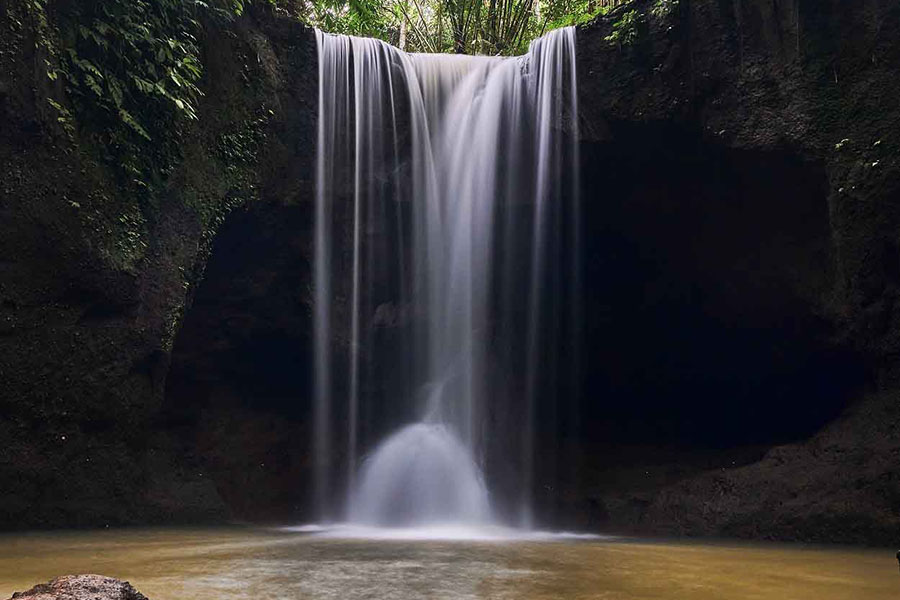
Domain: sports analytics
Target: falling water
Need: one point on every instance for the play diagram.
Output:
(463, 172)
(333, 97)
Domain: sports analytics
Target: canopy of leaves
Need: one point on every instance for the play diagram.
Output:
(492, 27)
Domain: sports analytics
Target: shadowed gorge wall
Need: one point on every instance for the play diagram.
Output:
(94, 277)
(769, 96)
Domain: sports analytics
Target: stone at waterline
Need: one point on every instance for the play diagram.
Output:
(81, 587)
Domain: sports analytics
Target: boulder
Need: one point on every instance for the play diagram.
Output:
(81, 587)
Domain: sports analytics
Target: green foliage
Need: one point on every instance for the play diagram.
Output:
(663, 8)
(370, 18)
(64, 117)
(124, 87)
(130, 244)
(133, 58)
(493, 27)
(574, 12)
(625, 29)
(129, 71)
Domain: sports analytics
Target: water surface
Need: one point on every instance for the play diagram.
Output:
(232, 563)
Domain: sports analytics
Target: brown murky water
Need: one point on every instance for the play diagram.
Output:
(225, 564)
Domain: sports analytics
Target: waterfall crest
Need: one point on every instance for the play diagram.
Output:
(445, 194)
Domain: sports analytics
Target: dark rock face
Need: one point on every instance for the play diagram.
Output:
(82, 587)
(741, 191)
(794, 254)
(239, 384)
(94, 284)
(816, 84)
(840, 486)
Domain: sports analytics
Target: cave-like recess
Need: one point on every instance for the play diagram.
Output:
(708, 326)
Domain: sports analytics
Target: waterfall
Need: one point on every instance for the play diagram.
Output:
(446, 205)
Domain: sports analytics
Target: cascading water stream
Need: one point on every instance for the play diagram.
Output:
(453, 168)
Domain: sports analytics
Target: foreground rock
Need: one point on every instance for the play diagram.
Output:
(82, 587)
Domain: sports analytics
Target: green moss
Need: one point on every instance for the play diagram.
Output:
(625, 29)
(630, 25)
(664, 8)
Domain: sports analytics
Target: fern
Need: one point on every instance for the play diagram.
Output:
(625, 29)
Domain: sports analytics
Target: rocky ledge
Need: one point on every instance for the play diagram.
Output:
(82, 587)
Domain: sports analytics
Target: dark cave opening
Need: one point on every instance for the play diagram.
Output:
(709, 305)
(238, 389)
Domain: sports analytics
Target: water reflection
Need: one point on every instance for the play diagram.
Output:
(225, 564)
